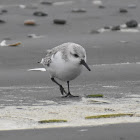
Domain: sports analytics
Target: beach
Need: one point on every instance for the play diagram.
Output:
(27, 95)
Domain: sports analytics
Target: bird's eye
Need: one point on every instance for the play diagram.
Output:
(76, 55)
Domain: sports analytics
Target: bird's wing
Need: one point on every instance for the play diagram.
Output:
(48, 58)
(52, 52)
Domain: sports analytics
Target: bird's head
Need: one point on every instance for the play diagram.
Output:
(77, 55)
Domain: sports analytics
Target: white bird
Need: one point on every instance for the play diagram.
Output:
(65, 63)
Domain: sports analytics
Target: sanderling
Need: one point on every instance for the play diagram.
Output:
(64, 62)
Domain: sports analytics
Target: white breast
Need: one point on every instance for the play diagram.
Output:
(63, 70)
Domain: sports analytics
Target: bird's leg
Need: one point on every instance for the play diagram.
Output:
(69, 94)
(62, 90)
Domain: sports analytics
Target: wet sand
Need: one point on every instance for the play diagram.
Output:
(113, 57)
(117, 132)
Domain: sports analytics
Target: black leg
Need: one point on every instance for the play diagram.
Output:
(69, 94)
(62, 90)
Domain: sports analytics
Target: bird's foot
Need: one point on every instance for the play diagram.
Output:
(62, 90)
(70, 95)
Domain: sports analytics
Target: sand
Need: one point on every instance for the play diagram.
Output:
(118, 132)
(113, 57)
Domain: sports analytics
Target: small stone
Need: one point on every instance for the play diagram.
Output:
(29, 22)
(19, 108)
(59, 21)
(115, 28)
(40, 14)
(81, 10)
(107, 27)
(4, 11)
(2, 21)
(123, 10)
(46, 3)
(132, 24)
(31, 35)
(101, 6)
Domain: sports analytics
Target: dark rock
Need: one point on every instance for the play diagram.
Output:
(40, 14)
(59, 21)
(4, 11)
(123, 10)
(2, 21)
(46, 3)
(132, 24)
(101, 6)
(115, 28)
(107, 27)
(19, 108)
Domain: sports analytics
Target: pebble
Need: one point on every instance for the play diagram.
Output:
(59, 21)
(80, 10)
(115, 28)
(101, 6)
(40, 14)
(4, 11)
(30, 22)
(2, 21)
(31, 35)
(107, 27)
(132, 24)
(123, 10)
(46, 3)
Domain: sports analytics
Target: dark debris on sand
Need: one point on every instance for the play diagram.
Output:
(40, 14)
(59, 21)
(132, 24)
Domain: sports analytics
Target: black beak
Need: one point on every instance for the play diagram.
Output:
(85, 64)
